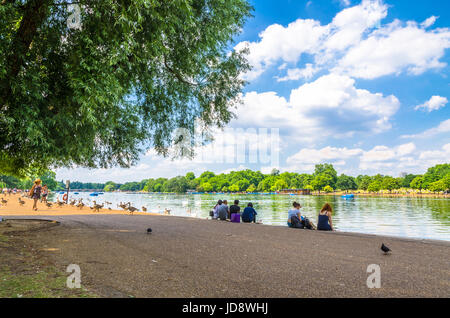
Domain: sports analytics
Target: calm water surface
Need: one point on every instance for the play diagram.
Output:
(403, 217)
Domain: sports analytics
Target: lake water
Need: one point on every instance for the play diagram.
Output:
(403, 217)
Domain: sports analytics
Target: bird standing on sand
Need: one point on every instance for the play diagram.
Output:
(385, 249)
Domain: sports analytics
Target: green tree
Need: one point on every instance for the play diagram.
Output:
(206, 187)
(131, 74)
(326, 169)
(190, 176)
(437, 186)
(243, 184)
(48, 178)
(233, 188)
(363, 182)
(275, 172)
(446, 181)
(406, 182)
(321, 181)
(390, 183)
(157, 187)
(328, 189)
(435, 173)
(251, 188)
(280, 184)
(374, 186)
(417, 183)
(109, 188)
(346, 183)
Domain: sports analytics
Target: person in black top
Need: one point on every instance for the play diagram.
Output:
(235, 208)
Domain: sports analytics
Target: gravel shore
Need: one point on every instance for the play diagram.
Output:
(187, 257)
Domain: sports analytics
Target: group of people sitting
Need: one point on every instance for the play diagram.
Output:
(222, 211)
(233, 213)
(324, 223)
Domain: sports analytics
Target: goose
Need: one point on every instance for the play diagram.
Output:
(21, 202)
(97, 207)
(132, 209)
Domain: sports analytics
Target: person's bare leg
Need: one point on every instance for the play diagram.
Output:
(35, 204)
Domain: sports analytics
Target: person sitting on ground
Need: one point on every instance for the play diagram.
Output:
(295, 217)
(235, 208)
(223, 211)
(216, 209)
(249, 214)
(35, 192)
(325, 223)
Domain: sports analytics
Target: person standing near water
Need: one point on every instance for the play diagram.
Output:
(325, 222)
(44, 193)
(35, 192)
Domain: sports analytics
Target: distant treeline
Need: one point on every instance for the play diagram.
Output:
(324, 178)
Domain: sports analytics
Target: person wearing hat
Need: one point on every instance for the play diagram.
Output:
(35, 192)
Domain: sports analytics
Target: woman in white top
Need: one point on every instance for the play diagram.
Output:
(294, 212)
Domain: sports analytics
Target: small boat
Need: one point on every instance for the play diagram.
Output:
(94, 194)
(348, 196)
(75, 193)
(61, 192)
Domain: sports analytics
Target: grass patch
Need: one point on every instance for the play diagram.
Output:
(23, 275)
(46, 284)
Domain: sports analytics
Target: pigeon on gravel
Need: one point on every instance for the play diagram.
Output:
(385, 249)
(149, 230)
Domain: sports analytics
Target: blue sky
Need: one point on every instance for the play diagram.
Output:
(360, 84)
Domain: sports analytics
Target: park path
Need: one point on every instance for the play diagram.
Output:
(187, 257)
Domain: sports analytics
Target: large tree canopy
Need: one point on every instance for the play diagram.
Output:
(99, 95)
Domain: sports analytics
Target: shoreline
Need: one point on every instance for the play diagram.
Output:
(13, 209)
(340, 233)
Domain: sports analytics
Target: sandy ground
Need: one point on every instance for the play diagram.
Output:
(12, 207)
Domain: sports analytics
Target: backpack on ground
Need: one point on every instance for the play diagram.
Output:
(296, 223)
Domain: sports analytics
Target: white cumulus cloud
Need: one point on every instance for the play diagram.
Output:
(442, 128)
(435, 103)
(329, 106)
(354, 43)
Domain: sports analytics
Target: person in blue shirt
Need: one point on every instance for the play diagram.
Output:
(295, 214)
(249, 214)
